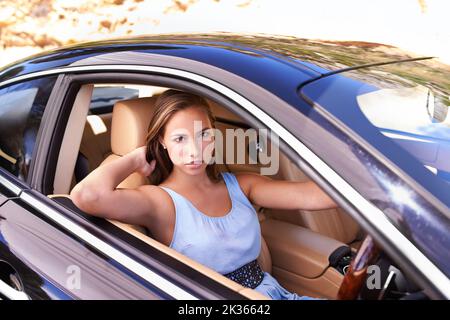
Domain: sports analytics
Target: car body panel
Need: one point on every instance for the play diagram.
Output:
(3, 197)
(31, 244)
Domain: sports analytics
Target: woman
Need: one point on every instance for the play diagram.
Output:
(189, 207)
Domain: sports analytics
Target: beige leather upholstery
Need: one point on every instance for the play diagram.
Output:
(226, 120)
(326, 286)
(222, 113)
(300, 259)
(265, 259)
(96, 146)
(130, 122)
(297, 249)
(129, 126)
(334, 223)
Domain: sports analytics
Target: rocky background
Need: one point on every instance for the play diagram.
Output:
(416, 26)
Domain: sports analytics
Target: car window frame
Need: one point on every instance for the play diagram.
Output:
(42, 125)
(108, 230)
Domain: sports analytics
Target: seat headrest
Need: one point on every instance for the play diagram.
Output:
(130, 121)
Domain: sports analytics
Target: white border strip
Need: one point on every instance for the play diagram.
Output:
(9, 185)
(371, 213)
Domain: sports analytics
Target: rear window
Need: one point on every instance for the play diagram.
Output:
(22, 106)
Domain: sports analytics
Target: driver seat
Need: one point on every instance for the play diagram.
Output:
(129, 126)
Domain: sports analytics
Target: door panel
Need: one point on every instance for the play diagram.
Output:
(3, 198)
(8, 189)
(52, 264)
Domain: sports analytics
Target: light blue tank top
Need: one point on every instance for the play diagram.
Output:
(223, 243)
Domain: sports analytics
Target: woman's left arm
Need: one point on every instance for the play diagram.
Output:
(279, 194)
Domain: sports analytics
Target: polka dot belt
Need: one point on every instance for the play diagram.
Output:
(249, 275)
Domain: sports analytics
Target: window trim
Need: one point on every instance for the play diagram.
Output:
(47, 124)
(25, 183)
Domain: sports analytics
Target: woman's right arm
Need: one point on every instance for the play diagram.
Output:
(97, 194)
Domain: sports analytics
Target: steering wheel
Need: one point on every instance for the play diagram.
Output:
(357, 271)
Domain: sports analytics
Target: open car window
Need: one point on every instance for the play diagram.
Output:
(294, 229)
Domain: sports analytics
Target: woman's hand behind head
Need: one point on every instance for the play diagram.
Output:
(142, 166)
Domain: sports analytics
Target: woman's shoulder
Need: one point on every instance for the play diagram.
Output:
(159, 198)
(248, 179)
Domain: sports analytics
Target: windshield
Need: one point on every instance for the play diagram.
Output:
(398, 111)
(413, 112)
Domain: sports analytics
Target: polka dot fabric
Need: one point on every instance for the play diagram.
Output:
(249, 275)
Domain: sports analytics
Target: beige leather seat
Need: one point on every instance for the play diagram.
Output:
(96, 146)
(129, 126)
(334, 223)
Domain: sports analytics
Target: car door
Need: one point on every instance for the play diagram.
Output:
(22, 108)
(75, 255)
(39, 259)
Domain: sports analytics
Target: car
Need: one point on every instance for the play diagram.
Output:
(366, 122)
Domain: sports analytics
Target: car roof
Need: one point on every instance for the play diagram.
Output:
(308, 58)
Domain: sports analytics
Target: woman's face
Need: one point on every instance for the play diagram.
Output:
(189, 139)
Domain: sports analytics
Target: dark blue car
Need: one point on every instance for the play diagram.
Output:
(368, 124)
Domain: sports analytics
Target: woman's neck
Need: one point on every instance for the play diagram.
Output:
(185, 181)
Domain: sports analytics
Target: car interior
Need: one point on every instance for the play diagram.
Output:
(306, 251)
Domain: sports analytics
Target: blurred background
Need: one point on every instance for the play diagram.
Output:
(419, 27)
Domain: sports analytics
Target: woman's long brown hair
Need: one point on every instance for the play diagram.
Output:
(170, 102)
